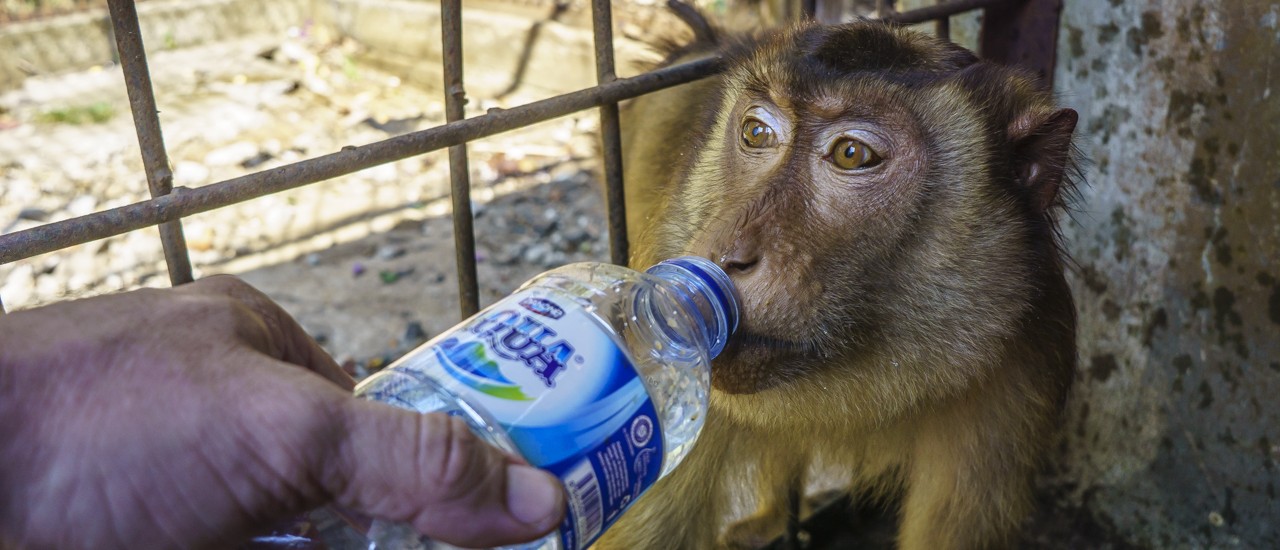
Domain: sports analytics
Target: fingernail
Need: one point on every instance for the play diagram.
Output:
(533, 496)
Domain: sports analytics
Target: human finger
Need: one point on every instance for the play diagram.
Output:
(434, 473)
(285, 338)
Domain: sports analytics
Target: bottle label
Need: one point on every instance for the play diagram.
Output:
(565, 393)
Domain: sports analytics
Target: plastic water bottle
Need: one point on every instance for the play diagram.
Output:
(594, 372)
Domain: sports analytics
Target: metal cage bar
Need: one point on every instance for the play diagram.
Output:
(1023, 33)
(939, 11)
(455, 99)
(809, 9)
(146, 119)
(185, 202)
(942, 27)
(610, 134)
(1006, 25)
(884, 9)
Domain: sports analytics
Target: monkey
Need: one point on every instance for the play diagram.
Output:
(887, 205)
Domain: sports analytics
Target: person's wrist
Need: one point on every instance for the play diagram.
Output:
(35, 358)
(13, 421)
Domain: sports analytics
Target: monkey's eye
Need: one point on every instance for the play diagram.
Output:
(756, 134)
(851, 154)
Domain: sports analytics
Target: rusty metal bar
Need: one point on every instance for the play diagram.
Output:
(142, 101)
(826, 11)
(185, 202)
(610, 135)
(884, 9)
(1022, 33)
(455, 100)
(808, 9)
(939, 11)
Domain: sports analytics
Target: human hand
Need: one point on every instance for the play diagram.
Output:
(192, 417)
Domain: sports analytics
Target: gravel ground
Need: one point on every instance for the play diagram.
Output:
(67, 148)
(370, 300)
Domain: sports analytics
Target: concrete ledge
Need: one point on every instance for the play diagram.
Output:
(83, 40)
(404, 38)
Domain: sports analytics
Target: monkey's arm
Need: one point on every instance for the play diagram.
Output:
(972, 464)
(780, 475)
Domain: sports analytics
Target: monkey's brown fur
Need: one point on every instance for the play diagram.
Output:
(907, 322)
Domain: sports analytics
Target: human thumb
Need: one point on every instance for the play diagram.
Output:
(431, 471)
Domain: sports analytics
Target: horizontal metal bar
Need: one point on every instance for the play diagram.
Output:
(939, 11)
(185, 202)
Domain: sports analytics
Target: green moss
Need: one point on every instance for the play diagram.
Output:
(95, 113)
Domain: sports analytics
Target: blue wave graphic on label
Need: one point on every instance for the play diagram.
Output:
(467, 363)
(548, 445)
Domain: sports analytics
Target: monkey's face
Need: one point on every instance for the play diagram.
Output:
(811, 194)
(845, 201)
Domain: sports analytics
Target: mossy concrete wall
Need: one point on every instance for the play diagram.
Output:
(1174, 434)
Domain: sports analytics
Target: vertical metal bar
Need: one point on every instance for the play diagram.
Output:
(828, 12)
(885, 9)
(610, 137)
(808, 9)
(142, 101)
(942, 27)
(455, 98)
(1022, 33)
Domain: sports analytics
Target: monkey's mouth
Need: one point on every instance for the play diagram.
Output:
(754, 362)
(746, 341)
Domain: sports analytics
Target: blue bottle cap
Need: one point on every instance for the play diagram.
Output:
(709, 289)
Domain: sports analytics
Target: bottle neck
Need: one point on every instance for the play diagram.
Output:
(706, 292)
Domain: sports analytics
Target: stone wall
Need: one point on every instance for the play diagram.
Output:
(1174, 434)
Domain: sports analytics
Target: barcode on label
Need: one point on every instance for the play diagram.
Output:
(584, 497)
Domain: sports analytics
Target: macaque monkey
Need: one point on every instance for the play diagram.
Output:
(887, 205)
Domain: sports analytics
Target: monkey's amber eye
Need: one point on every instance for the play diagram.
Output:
(851, 154)
(756, 134)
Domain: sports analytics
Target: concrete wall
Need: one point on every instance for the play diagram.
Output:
(1174, 437)
(83, 40)
(400, 35)
(505, 42)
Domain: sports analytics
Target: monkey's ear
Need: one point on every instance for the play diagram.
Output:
(1042, 150)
